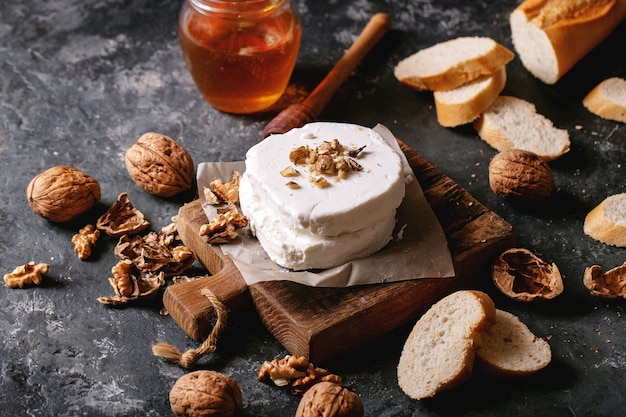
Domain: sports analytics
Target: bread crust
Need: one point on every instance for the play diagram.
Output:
(455, 76)
(510, 349)
(446, 335)
(452, 114)
(599, 225)
(570, 37)
(492, 132)
(601, 105)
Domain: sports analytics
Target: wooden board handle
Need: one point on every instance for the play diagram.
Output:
(375, 29)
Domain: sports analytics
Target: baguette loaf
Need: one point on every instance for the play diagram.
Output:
(464, 104)
(551, 36)
(607, 221)
(439, 352)
(513, 123)
(510, 349)
(608, 99)
(452, 63)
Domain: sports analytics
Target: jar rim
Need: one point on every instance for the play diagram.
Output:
(236, 6)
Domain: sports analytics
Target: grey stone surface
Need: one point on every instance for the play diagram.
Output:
(81, 80)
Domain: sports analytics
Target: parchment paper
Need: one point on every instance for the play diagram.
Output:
(418, 249)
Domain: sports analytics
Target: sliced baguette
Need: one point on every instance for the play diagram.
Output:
(439, 352)
(452, 63)
(513, 123)
(551, 36)
(608, 99)
(607, 221)
(510, 349)
(464, 104)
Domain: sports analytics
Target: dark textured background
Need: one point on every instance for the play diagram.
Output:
(81, 80)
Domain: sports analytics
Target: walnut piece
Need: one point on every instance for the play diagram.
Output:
(85, 240)
(609, 284)
(62, 193)
(327, 399)
(521, 275)
(160, 165)
(296, 371)
(129, 285)
(226, 192)
(223, 228)
(205, 393)
(122, 218)
(330, 158)
(29, 274)
(520, 176)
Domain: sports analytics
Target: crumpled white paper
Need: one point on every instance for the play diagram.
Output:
(419, 248)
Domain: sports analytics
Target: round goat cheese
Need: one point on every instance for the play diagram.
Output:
(304, 225)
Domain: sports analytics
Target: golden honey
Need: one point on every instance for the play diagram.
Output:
(240, 53)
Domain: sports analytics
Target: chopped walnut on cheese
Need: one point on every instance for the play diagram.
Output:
(330, 158)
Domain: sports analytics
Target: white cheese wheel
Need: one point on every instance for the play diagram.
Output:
(359, 206)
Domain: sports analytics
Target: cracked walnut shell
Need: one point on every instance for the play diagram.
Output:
(521, 275)
(609, 284)
(160, 165)
(205, 394)
(62, 193)
(327, 399)
(520, 176)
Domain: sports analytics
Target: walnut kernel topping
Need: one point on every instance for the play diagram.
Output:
(289, 172)
(330, 158)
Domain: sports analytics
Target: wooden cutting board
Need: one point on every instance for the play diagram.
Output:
(322, 323)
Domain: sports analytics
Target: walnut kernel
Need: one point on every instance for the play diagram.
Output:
(28, 274)
(296, 371)
(205, 394)
(62, 193)
(327, 399)
(521, 275)
(85, 240)
(160, 165)
(520, 176)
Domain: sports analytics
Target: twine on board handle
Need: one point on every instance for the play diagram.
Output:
(189, 358)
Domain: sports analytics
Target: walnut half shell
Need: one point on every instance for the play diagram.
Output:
(609, 284)
(521, 275)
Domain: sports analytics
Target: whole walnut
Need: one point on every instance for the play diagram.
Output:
(520, 176)
(327, 399)
(62, 193)
(205, 394)
(160, 165)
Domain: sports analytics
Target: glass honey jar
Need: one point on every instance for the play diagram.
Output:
(240, 53)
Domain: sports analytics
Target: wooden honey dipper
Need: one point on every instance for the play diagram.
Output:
(299, 114)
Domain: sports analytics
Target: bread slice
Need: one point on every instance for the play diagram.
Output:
(510, 349)
(551, 36)
(452, 63)
(608, 99)
(464, 104)
(607, 221)
(513, 123)
(439, 352)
